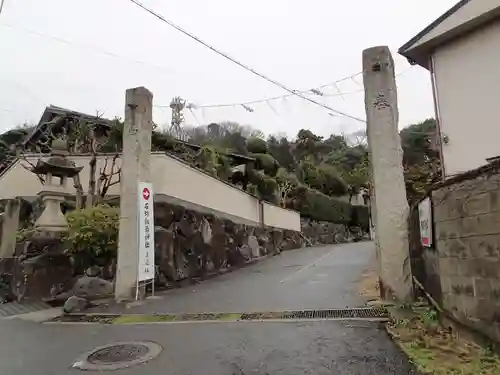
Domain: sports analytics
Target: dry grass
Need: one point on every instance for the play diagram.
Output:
(436, 351)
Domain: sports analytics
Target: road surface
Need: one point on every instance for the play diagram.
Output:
(310, 278)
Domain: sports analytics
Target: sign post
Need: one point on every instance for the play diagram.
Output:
(425, 220)
(146, 270)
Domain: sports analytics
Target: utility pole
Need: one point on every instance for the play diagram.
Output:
(389, 203)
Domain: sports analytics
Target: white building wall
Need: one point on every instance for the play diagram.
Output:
(171, 178)
(467, 73)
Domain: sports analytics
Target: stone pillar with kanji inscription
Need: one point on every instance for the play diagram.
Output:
(136, 164)
(389, 203)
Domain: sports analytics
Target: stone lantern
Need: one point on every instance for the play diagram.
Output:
(45, 267)
(57, 169)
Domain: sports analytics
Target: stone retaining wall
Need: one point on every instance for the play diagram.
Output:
(190, 244)
(467, 248)
(324, 232)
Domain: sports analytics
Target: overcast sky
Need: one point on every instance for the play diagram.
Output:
(115, 45)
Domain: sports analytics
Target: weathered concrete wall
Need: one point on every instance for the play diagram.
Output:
(467, 231)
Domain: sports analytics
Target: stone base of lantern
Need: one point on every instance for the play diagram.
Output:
(43, 270)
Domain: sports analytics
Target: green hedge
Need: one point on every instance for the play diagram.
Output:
(315, 205)
(318, 206)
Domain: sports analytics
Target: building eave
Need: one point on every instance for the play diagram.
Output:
(418, 52)
(432, 26)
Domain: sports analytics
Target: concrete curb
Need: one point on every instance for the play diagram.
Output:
(39, 316)
(371, 320)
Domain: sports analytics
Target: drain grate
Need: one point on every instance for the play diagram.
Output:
(333, 314)
(17, 308)
(118, 356)
(354, 313)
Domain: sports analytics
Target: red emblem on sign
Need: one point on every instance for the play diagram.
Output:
(145, 193)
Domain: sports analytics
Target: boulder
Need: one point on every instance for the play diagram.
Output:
(246, 251)
(93, 271)
(92, 288)
(206, 231)
(254, 246)
(75, 304)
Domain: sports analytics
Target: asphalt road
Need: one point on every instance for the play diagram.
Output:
(303, 279)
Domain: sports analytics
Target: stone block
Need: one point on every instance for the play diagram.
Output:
(476, 204)
(486, 268)
(462, 286)
(453, 248)
(467, 267)
(468, 307)
(495, 291)
(451, 303)
(485, 310)
(449, 229)
(479, 225)
(495, 332)
(489, 183)
(445, 284)
(449, 267)
(494, 197)
(439, 211)
(439, 195)
(482, 288)
(484, 246)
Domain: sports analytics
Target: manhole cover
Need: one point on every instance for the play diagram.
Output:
(119, 355)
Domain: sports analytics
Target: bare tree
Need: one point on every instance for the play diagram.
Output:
(284, 188)
(108, 178)
(84, 136)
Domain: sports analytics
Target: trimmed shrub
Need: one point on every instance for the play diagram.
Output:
(266, 163)
(93, 234)
(318, 206)
(257, 146)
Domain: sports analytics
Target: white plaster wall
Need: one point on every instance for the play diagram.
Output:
(275, 216)
(170, 177)
(18, 182)
(180, 181)
(467, 75)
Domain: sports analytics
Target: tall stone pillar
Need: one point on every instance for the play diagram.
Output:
(389, 201)
(135, 168)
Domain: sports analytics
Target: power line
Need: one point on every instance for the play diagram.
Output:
(226, 56)
(264, 100)
(79, 45)
(275, 97)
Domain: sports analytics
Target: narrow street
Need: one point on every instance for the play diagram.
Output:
(313, 278)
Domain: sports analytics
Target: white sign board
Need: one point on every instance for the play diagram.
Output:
(146, 232)
(425, 219)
